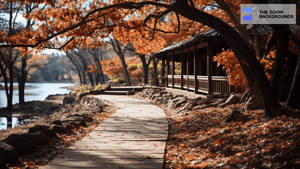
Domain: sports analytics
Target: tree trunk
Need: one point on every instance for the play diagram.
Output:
(127, 78)
(145, 68)
(22, 82)
(282, 49)
(11, 88)
(97, 78)
(145, 71)
(240, 49)
(270, 43)
(294, 94)
(117, 48)
(77, 68)
(101, 75)
(3, 70)
(100, 72)
(91, 78)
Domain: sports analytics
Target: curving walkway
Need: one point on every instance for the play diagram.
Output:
(133, 137)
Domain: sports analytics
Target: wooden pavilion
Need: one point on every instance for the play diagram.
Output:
(198, 71)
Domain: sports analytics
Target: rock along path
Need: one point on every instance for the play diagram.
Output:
(133, 137)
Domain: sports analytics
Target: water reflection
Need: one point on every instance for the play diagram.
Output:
(9, 122)
(41, 91)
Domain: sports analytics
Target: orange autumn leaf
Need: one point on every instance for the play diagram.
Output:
(219, 141)
(190, 157)
(201, 165)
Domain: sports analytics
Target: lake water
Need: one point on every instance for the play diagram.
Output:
(8, 122)
(41, 91)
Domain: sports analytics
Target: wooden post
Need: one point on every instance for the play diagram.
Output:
(173, 68)
(209, 66)
(195, 68)
(163, 66)
(168, 69)
(187, 67)
(155, 71)
(181, 74)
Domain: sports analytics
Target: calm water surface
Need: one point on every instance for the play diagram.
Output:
(41, 91)
(8, 122)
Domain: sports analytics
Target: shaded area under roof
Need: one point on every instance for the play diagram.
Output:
(261, 29)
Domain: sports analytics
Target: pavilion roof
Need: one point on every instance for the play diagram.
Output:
(261, 29)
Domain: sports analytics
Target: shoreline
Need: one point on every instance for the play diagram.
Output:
(16, 87)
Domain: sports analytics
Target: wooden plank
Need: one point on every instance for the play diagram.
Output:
(133, 137)
(202, 45)
(107, 163)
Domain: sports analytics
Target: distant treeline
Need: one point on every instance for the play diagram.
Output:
(58, 69)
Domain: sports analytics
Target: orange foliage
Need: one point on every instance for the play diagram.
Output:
(268, 62)
(235, 74)
(88, 23)
(114, 69)
(92, 68)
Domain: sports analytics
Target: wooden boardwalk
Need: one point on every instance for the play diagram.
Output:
(134, 137)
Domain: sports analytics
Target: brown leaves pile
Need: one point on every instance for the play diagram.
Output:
(201, 139)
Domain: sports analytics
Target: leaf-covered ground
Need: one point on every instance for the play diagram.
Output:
(201, 139)
(44, 154)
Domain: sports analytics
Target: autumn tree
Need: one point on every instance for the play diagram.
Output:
(83, 60)
(7, 59)
(140, 23)
(117, 47)
(22, 73)
(9, 55)
(143, 58)
(136, 69)
(114, 69)
(10, 29)
(98, 55)
(22, 68)
(77, 67)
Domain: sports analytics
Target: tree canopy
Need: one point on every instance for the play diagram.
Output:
(151, 26)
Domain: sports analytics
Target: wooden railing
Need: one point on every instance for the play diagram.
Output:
(219, 83)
